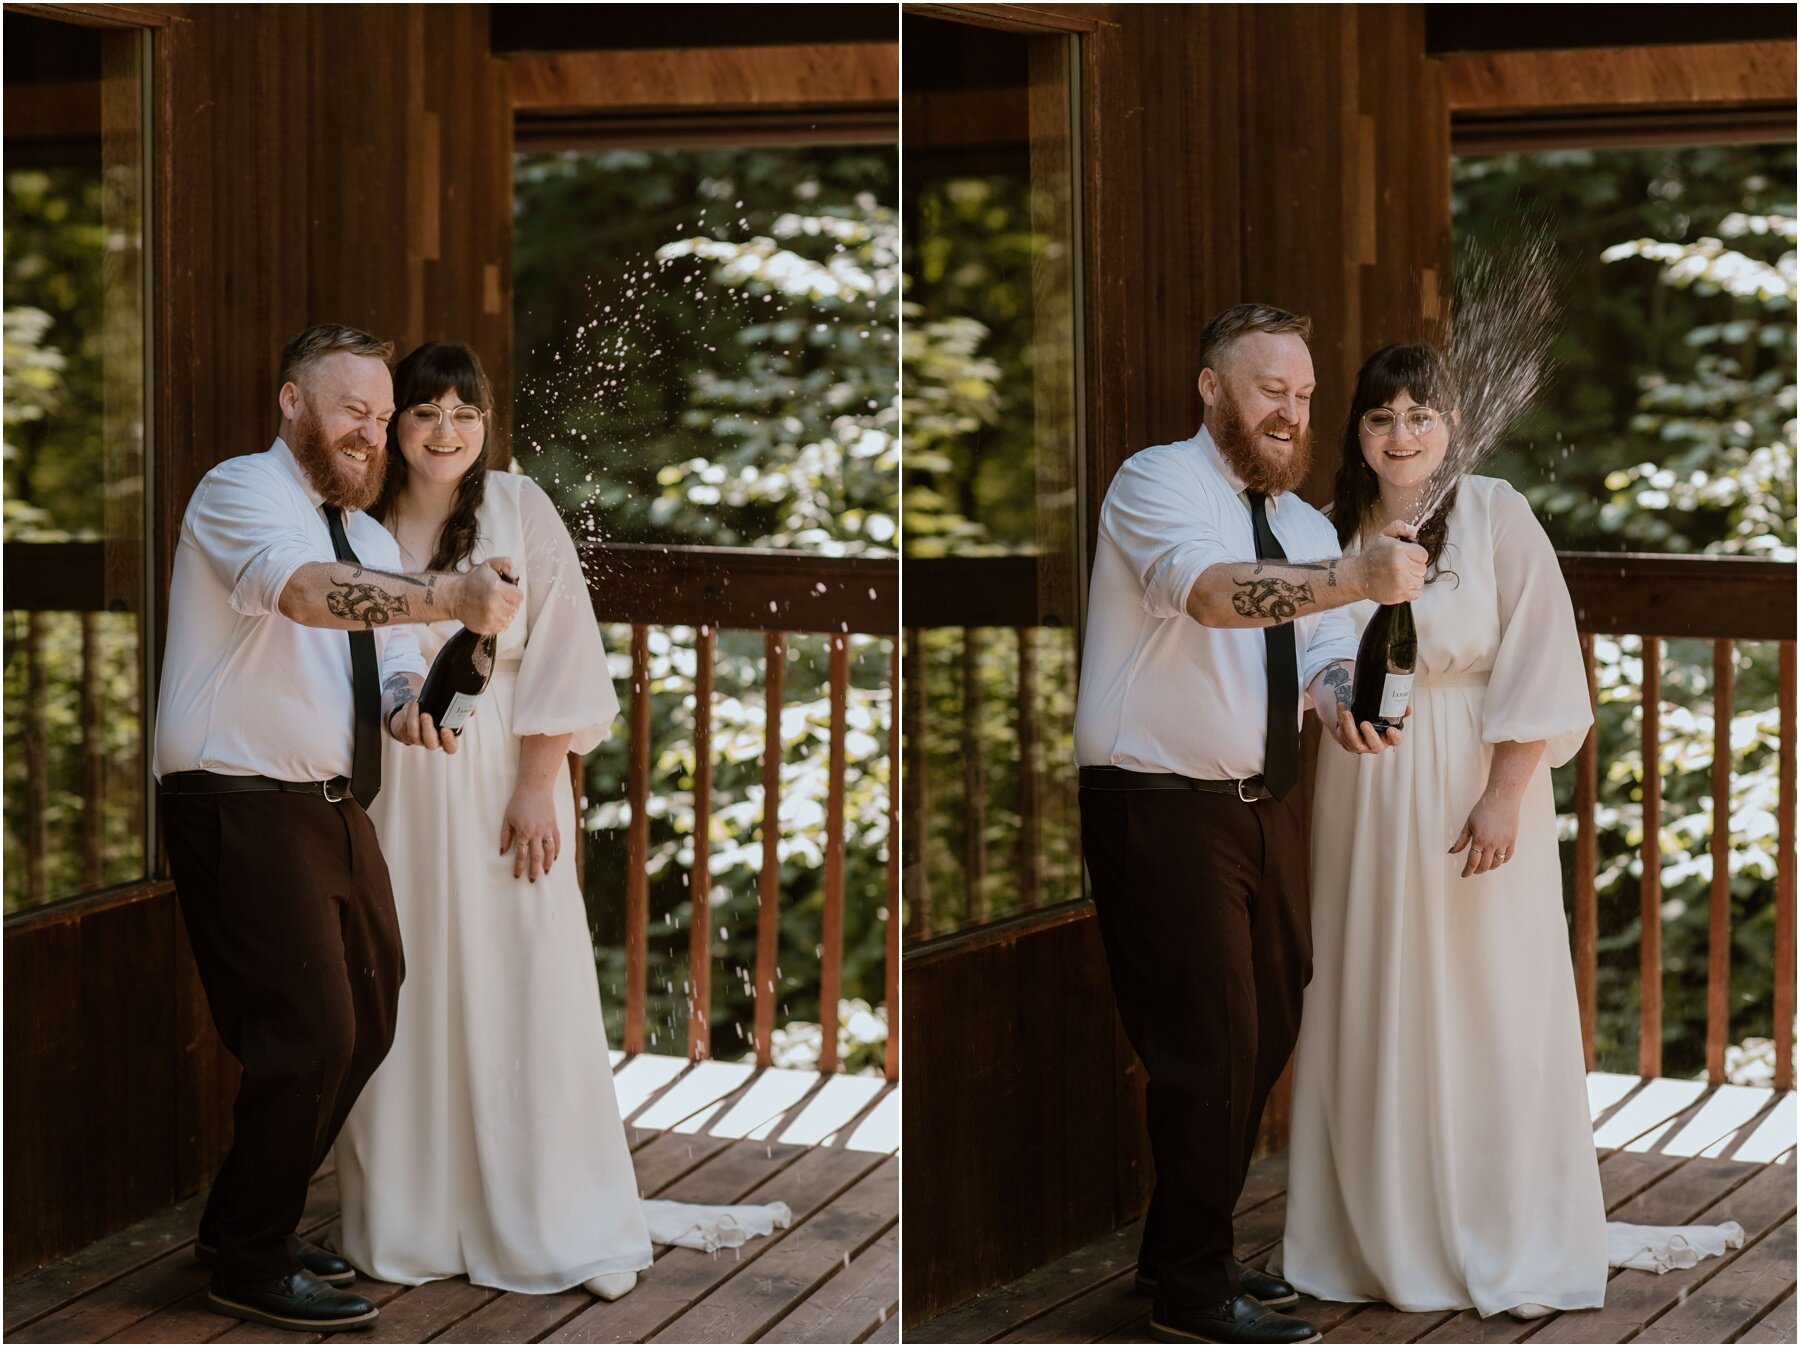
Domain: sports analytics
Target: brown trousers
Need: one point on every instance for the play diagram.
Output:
(291, 918)
(1203, 908)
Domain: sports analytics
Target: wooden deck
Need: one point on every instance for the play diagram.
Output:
(714, 1132)
(1672, 1152)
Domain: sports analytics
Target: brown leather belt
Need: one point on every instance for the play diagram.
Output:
(213, 783)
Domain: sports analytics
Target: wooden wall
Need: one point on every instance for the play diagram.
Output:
(1295, 155)
(346, 163)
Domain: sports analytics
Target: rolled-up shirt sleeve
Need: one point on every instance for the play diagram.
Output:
(252, 543)
(1167, 532)
(1333, 638)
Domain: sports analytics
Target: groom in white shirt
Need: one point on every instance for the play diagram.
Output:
(1212, 604)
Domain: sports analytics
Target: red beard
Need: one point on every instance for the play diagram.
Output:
(1264, 470)
(325, 465)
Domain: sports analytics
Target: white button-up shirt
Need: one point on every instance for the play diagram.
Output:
(246, 691)
(1159, 691)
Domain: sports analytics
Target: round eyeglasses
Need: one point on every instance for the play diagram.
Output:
(428, 414)
(1419, 421)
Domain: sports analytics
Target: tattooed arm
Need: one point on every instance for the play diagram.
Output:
(348, 597)
(1268, 593)
(1332, 691)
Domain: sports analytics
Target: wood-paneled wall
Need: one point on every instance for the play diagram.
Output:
(344, 163)
(1292, 154)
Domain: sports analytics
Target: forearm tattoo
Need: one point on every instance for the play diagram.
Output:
(1271, 598)
(1337, 678)
(399, 687)
(1328, 567)
(365, 600)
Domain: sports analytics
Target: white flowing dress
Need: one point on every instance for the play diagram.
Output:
(1442, 1155)
(489, 1143)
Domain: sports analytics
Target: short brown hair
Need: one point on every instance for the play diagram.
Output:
(306, 349)
(1242, 319)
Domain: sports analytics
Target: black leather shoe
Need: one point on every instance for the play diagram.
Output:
(1239, 1320)
(322, 1263)
(298, 1301)
(1274, 1293)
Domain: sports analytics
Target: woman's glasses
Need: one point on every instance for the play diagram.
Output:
(426, 415)
(1419, 421)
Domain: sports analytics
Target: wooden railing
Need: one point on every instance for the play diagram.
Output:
(1725, 600)
(777, 594)
(706, 589)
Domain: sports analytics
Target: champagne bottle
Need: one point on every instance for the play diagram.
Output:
(458, 677)
(1384, 667)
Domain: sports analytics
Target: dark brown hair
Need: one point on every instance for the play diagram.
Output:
(1391, 371)
(1240, 320)
(436, 368)
(306, 349)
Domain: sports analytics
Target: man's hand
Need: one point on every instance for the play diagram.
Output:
(1363, 738)
(413, 728)
(488, 597)
(1392, 568)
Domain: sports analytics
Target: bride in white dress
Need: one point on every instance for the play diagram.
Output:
(1441, 1154)
(489, 1143)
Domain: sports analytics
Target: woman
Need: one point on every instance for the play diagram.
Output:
(489, 1143)
(1441, 1154)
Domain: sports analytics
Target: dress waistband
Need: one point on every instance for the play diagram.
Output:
(1474, 678)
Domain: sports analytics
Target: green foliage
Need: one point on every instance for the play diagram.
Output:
(707, 356)
(1673, 431)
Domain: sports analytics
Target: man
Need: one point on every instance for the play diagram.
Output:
(1214, 601)
(285, 611)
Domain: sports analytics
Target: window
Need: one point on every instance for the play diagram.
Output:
(991, 373)
(76, 427)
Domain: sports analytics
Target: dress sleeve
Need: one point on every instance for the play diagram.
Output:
(1164, 525)
(1538, 689)
(563, 683)
(251, 542)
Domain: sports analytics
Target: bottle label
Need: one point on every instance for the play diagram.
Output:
(456, 715)
(1396, 695)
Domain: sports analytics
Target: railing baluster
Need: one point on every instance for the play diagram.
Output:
(974, 783)
(637, 881)
(1784, 884)
(1718, 949)
(1650, 856)
(768, 903)
(831, 969)
(1030, 875)
(1587, 923)
(93, 757)
(918, 869)
(890, 1053)
(700, 874)
(37, 763)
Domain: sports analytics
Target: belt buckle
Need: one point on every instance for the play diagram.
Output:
(334, 799)
(1247, 799)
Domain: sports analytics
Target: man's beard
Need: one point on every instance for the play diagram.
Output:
(324, 464)
(1261, 470)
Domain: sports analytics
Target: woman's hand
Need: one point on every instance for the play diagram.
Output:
(530, 830)
(1490, 834)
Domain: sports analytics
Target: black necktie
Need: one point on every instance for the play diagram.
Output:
(365, 679)
(1281, 757)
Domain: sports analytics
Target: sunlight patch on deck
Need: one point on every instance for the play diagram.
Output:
(880, 1131)
(1605, 1089)
(774, 1092)
(841, 1099)
(643, 1076)
(1657, 1102)
(707, 1084)
(1728, 1108)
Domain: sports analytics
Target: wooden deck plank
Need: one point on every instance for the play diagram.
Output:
(155, 1287)
(682, 1276)
(701, 1086)
(767, 1097)
(1655, 1102)
(1737, 1297)
(855, 1302)
(35, 1294)
(793, 1267)
(878, 1130)
(518, 1318)
(420, 1313)
(1636, 1299)
(890, 1332)
(1005, 1308)
(1103, 1309)
(1776, 1326)
(1728, 1108)
(840, 1100)
(1384, 1323)
(643, 1077)
(670, 1156)
(1772, 1137)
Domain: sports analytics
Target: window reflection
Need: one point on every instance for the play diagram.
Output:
(992, 446)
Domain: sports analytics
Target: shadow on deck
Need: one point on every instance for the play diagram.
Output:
(712, 1132)
(1672, 1152)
